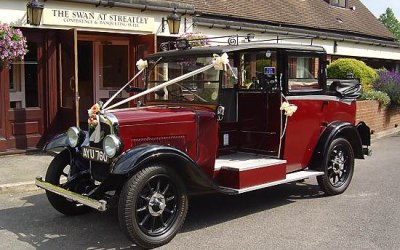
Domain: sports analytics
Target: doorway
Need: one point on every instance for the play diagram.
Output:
(111, 69)
(85, 78)
(103, 68)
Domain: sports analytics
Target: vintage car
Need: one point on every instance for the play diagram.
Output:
(228, 119)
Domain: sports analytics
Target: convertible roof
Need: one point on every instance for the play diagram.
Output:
(232, 48)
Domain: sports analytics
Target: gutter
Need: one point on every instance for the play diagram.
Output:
(142, 5)
(280, 30)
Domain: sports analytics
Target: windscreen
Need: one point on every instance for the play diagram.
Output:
(200, 88)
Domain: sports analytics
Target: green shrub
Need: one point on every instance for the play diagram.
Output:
(341, 67)
(379, 96)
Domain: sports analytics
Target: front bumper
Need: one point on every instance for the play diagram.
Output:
(100, 205)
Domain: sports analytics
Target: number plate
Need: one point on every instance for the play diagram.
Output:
(94, 154)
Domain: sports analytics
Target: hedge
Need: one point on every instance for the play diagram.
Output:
(341, 67)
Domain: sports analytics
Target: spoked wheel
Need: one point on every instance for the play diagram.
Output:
(153, 206)
(338, 167)
(57, 174)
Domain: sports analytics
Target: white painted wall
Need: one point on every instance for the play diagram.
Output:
(343, 48)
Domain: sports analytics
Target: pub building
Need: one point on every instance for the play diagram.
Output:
(89, 48)
(77, 48)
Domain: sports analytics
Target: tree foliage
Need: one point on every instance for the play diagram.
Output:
(390, 21)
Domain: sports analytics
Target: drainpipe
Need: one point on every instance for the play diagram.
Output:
(143, 5)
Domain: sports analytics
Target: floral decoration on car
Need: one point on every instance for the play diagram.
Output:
(289, 109)
(93, 113)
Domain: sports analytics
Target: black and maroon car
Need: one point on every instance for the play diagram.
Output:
(269, 117)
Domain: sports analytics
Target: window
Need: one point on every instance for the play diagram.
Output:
(24, 80)
(230, 78)
(339, 3)
(303, 73)
(259, 70)
(200, 88)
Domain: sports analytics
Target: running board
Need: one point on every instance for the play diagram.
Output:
(296, 176)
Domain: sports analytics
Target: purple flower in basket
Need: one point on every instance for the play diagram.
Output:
(13, 45)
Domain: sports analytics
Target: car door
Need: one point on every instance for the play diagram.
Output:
(304, 88)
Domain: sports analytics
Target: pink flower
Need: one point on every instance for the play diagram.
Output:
(12, 44)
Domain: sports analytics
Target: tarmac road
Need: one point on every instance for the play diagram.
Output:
(291, 216)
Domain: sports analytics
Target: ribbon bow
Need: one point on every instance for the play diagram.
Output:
(220, 62)
(141, 64)
(289, 109)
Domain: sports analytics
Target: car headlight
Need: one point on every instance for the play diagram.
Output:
(111, 145)
(74, 136)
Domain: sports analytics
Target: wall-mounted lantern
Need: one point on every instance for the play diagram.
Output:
(34, 10)
(174, 23)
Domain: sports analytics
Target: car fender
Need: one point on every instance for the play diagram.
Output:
(57, 144)
(138, 157)
(332, 131)
(60, 142)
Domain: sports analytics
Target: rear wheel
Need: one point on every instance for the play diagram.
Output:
(57, 174)
(338, 167)
(152, 206)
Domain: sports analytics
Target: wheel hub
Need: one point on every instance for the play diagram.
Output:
(338, 163)
(157, 204)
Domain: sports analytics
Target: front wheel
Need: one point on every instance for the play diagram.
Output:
(338, 167)
(57, 174)
(152, 206)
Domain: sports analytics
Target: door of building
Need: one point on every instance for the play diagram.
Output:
(67, 114)
(24, 106)
(111, 69)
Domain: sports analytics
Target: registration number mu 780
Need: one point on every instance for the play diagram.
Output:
(94, 154)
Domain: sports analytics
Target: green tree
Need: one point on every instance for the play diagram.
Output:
(390, 21)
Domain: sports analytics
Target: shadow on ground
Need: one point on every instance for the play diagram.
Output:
(39, 225)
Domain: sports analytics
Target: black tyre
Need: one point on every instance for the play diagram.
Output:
(338, 167)
(152, 206)
(57, 174)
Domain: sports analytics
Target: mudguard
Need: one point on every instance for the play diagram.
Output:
(332, 131)
(57, 144)
(136, 158)
(60, 142)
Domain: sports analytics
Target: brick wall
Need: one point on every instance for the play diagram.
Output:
(376, 117)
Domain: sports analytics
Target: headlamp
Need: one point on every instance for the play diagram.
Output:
(111, 145)
(74, 135)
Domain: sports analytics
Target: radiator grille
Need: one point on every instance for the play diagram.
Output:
(177, 142)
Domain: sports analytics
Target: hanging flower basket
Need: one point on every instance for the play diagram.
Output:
(13, 45)
(195, 39)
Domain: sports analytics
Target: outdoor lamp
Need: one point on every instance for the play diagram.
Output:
(174, 22)
(34, 10)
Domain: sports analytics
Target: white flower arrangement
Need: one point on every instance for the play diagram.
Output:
(289, 109)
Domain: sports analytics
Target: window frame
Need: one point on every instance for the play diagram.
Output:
(321, 76)
(332, 2)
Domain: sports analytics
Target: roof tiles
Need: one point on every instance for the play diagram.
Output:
(315, 14)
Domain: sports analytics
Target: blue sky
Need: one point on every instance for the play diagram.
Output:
(378, 7)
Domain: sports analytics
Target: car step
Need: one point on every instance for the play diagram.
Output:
(296, 176)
